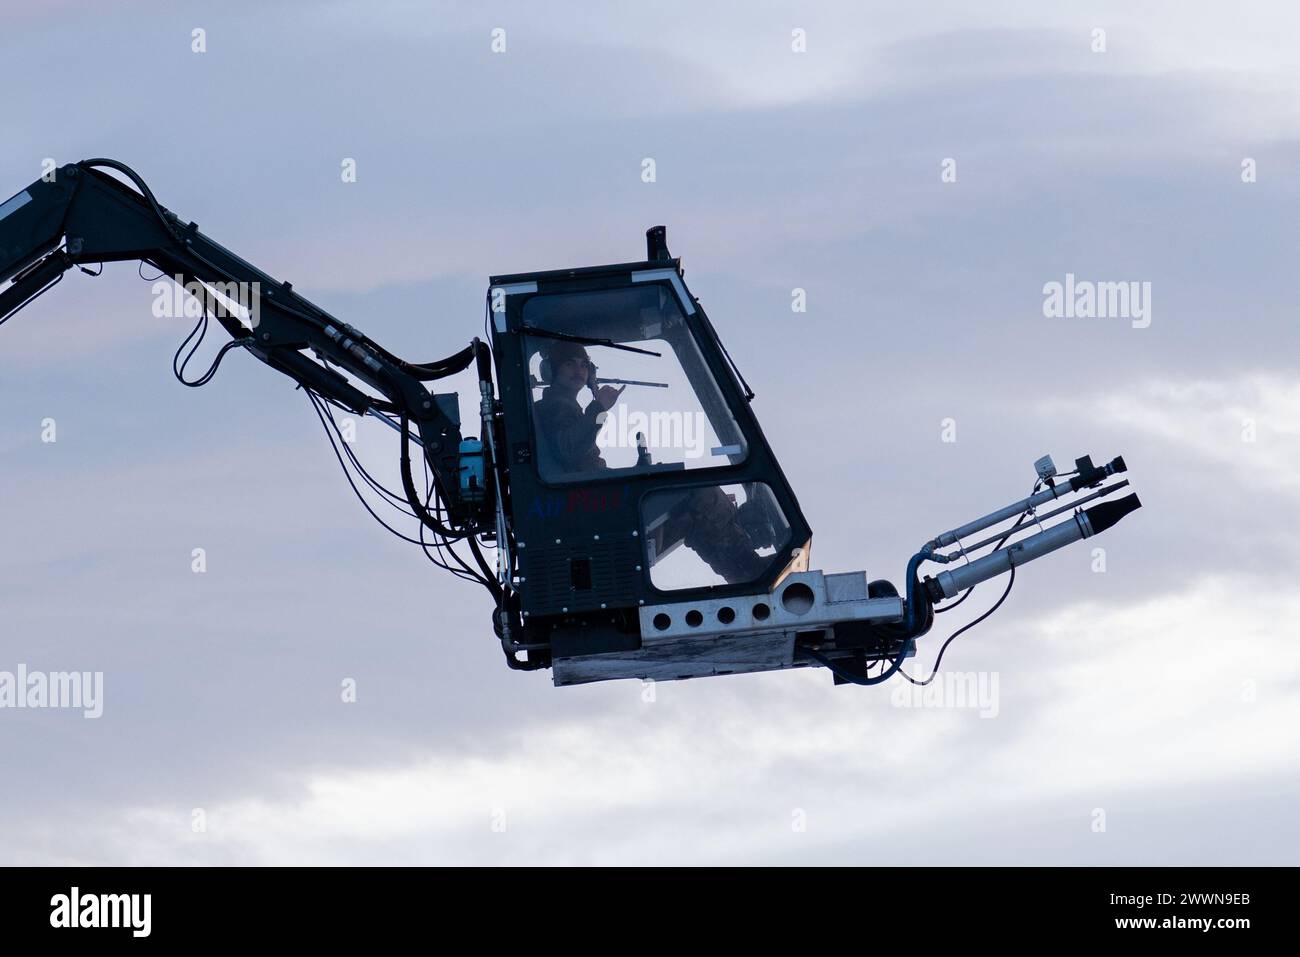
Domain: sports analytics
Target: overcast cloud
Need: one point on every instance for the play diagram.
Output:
(1164, 691)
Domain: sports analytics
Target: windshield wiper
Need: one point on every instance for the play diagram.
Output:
(584, 340)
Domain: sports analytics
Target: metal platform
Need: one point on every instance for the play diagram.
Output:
(737, 634)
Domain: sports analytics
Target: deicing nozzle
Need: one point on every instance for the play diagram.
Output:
(1103, 516)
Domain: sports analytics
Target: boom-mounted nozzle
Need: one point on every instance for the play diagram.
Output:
(1083, 524)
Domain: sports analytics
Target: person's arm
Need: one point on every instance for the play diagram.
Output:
(570, 432)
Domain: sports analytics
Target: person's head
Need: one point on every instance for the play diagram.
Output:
(570, 365)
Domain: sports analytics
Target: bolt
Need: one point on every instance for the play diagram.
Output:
(596, 537)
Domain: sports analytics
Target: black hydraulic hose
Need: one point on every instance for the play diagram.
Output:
(408, 486)
(964, 628)
(479, 352)
(850, 676)
(423, 371)
(427, 371)
(493, 585)
(140, 184)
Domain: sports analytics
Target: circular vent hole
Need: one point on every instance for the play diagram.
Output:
(761, 611)
(798, 599)
(726, 615)
(662, 621)
(694, 618)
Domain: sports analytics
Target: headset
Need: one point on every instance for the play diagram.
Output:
(546, 373)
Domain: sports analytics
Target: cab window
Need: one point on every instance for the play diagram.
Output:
(712, 535)
(618, 385)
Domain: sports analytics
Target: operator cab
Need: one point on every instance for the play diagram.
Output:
(637, 473)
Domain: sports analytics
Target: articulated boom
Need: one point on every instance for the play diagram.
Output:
(643, 524)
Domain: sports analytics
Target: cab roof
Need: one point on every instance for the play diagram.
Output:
(585, 272)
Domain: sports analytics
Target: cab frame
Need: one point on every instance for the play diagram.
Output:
(579, 555)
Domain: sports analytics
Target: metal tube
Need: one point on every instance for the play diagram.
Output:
(953, 556)
(1002, 514)
(1058, 536)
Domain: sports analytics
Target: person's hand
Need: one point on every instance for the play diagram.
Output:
(607, 395)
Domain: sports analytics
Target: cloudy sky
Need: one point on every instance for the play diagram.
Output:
(1146, 714)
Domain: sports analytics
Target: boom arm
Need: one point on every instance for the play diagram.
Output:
(80, 215)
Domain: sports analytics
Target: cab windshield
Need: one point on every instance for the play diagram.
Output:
(618, 384)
